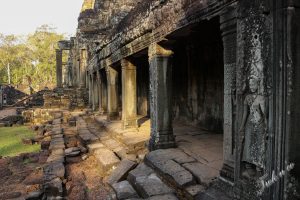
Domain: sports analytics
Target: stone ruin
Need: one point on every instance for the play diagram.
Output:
(230, 67)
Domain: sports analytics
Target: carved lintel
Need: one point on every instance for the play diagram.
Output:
(157, 50)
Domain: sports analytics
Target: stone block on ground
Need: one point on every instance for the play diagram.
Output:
(124, 190)
(203, 173)
(93, 147)
(164, 197)
(193, 190)
(36, 195)
(106, 158)
(55, 169)
(121, 172)
(53, 188)
(148, 186)
(174, 172)
(140, 171)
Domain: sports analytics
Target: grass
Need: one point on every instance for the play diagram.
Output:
(11, 141)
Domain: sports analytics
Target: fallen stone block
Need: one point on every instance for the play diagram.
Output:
(203, 173)
(36, 195)
(173, 171)
(141, 170)
(124, 190)
(53, 188)
(106, 158)
(121, 172)
(151, 186)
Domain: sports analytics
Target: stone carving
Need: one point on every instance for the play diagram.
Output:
(253, 129)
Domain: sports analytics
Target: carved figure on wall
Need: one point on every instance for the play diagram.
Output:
(253, 130)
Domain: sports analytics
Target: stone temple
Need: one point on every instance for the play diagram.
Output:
(216, 79)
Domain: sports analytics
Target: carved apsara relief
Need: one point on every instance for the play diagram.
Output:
(253, 130)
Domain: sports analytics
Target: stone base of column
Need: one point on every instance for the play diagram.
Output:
(163, 140)
(113, 116)
(130, 123)
(227, 173)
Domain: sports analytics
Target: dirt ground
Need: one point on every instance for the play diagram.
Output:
(21, 174)
(85, 182)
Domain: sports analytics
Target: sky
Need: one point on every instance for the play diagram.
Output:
(21, 17)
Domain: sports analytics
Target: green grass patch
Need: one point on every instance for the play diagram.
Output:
(11, 141)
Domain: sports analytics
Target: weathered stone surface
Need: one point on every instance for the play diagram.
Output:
(164, 197)
(140, 171)
(169, 154)
(179, 175)
(106, 158)
(203, 173)
(151, 185)
(194, 190)
(36, 195)
(124, 190)
(212, 194)
(54, 188)
(121, 171)
(71, 149)
(55, 169)
(93, 147)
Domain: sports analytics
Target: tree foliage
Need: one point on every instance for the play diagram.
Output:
(31, 59)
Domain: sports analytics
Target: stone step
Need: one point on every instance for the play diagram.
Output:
(146, 182)
(180, 170)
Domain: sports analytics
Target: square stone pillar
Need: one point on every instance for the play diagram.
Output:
(228, 27)
(90, 91)
(58, 68)
(129, 101)
(112, 93)
(161, 97)
(103, 94)
(83, 66)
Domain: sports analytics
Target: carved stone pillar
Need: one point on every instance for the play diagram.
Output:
(112, 93)
(161, 97)
(229, 29)
(59, 68)
(129, 99)
(90, 91)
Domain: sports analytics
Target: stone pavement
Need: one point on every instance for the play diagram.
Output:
(186, 172)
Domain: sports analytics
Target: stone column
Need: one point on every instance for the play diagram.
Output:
(112, 93)
(229, 29)
(93, 91)
(90, 91)
(161, 97)
(83, 66)
(58, 68)
(129, 101)
(103, 94)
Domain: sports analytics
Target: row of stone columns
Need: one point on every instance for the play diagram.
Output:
(160, 95)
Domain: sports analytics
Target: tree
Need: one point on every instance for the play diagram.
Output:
(31, 59)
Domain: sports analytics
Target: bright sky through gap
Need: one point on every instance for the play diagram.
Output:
(21, 17)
